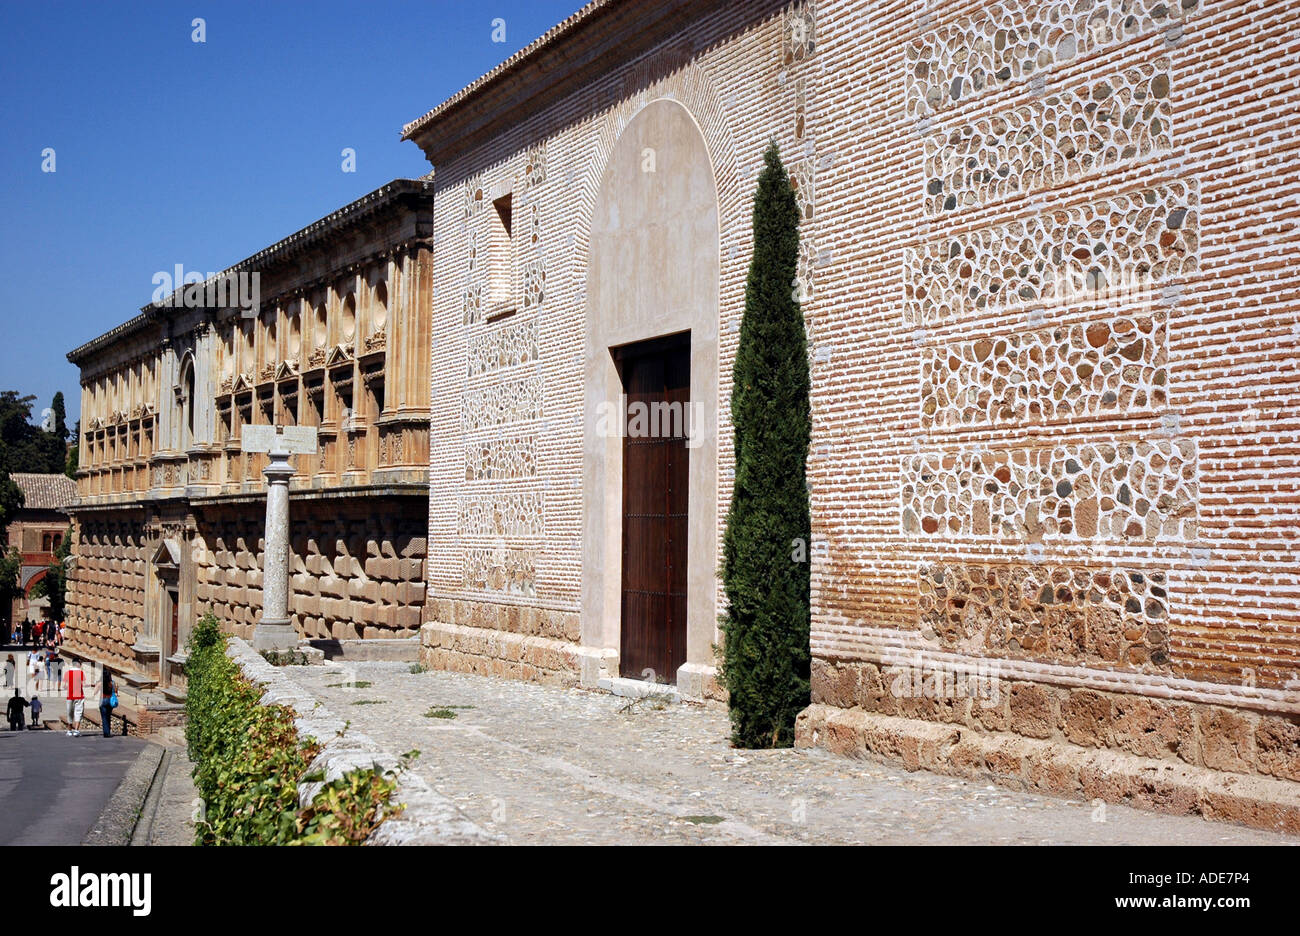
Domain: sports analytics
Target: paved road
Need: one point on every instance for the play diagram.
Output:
(53, 788)
(562, 766)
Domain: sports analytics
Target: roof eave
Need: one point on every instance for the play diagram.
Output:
(300, 240)
(592, 43)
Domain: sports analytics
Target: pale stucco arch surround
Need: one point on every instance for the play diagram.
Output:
(653, 270)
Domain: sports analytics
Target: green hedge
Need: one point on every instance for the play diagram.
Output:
(248, 762)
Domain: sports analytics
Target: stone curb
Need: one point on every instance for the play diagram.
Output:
(1054, 768)
(117, 822)
(428, 819)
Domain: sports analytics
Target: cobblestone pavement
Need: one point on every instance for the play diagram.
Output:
(564, 766)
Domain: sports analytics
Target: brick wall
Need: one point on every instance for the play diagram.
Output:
(1052, 332)
(1054, 406)
(506, 498)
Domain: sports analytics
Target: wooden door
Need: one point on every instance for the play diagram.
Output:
(656, 381)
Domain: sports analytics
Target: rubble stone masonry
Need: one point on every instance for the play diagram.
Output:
(1054, 399)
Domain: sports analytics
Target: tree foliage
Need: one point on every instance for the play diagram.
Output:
(765, 548)
(56, 579)
(11, 563)
(27, 447)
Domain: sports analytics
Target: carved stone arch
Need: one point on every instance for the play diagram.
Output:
(652, 271)
(29, 577)
(693, 88)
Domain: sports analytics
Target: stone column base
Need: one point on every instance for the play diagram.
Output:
(595, 664)
(275, 637)
(698, 682)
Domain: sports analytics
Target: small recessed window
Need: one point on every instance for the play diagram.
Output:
(502, 205)
(500, 267)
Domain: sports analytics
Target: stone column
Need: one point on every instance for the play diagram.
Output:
(205, 383)
(274, 630)
(165, 401)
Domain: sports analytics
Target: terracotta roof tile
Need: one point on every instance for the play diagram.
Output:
(46, 491)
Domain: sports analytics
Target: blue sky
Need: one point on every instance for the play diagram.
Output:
(171, 151)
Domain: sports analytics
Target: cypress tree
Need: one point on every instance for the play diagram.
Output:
(765, 549)
(57, 436)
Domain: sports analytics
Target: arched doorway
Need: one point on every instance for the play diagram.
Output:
(652, 337)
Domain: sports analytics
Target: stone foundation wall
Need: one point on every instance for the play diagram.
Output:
(514, 641)
(1218, 737)
(106, 588)
(143, 723)
(356, 567)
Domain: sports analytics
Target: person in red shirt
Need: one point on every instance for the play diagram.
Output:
(74, 680)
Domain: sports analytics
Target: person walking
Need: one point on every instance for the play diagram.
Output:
(11, 671)
(15, 711)
(37, 705)
(107, 702)
(74, 678)
(33, 667)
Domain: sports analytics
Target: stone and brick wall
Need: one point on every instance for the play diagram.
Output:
(512, 414)
(1054, 416)
(1051, 327)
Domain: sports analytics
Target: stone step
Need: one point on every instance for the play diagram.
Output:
(638, 689)
(391, 650)
(1054, 767)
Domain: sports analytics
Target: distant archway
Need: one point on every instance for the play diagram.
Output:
(31, 583)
